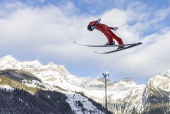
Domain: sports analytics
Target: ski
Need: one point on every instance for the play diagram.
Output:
(130, 46)
(105, 45)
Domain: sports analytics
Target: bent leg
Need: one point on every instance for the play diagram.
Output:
(104, 30)
(109, 37)
(118, 39)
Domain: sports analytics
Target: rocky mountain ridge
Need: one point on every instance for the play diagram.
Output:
(124, 96)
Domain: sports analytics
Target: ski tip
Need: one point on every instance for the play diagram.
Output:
(99, 53)
(96, 52)
(140, 43)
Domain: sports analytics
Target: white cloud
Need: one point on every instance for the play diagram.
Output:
(161, 15)
(43, 30)
(50, 30)
(146, 18)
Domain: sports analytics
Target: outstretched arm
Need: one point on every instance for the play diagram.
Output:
(113, 28)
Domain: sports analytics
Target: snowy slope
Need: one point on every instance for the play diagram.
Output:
(6, 87)
(79, 103)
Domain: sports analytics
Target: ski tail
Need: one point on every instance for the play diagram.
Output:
(127, 47)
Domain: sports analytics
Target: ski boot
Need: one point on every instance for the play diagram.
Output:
(113, 43)
(120, 47)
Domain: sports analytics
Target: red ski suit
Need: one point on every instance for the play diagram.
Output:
(106, 31)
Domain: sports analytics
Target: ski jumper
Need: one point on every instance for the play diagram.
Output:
(106, 31)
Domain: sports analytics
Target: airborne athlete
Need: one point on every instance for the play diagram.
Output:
(106, 31)
(110, 36)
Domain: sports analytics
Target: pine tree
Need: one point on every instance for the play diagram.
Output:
(134, 111)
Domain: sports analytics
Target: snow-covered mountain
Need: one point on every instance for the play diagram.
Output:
(157, 94)
(124, 96)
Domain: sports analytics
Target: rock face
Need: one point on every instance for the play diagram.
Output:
(157, 94)
(124, 96)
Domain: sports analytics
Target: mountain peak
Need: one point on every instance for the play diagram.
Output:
(8, 57)
(125, 82)
(51, 64)
(8, 60)
(166, 73)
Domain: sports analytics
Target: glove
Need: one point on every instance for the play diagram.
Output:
(98, 21)
(115, 28)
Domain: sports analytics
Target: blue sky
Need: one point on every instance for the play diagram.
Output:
(45, 29)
